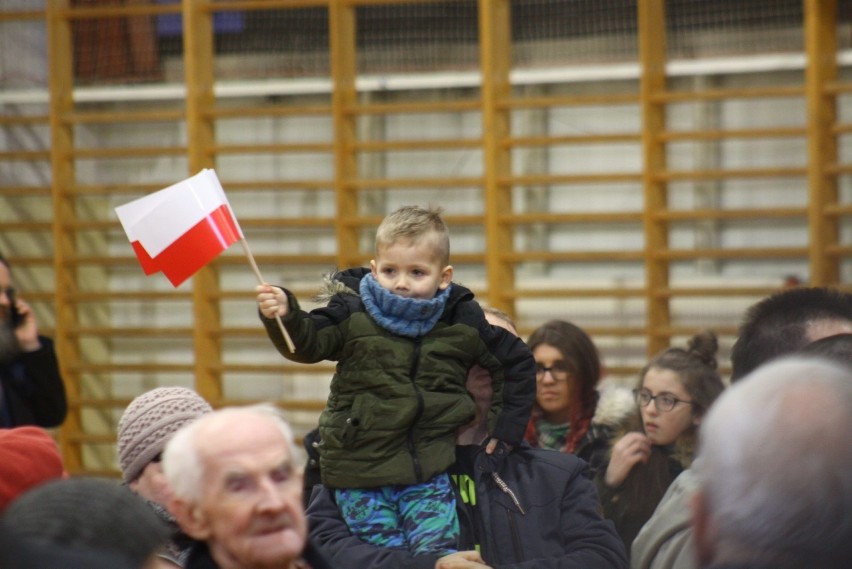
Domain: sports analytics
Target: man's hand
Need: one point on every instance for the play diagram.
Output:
(271, 301)
(462, 560)
(492, 445)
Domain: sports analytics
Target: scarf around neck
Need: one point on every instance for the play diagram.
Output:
(410, 317)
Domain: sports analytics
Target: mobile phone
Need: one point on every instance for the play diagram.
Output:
(15, 317)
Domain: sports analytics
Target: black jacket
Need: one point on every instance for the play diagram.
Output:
(33, 392)
(540, 512)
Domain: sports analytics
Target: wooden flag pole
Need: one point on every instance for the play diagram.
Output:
(260, 280)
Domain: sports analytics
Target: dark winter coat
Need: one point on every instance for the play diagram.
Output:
(535, 509)
(397, 402)
(32, 389)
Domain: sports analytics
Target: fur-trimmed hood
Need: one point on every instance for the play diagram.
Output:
(616, 406)
(340, 282)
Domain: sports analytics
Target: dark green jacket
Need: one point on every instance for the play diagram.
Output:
(396, 403)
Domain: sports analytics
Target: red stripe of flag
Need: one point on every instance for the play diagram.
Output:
(195, 248)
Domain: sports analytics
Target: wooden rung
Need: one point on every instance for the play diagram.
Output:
(572, 256)
(288, 222)
(414, 183)
(569, 101)
(675, 175)
(375, 220)
(282, 148)
(738, 253)
(23, 120)
(125, 118)
(573, 293)
(25, 155)
(602, 138)
(714, 292)
(566, 218)
(30, 226)
(20, 15)
(412, 145)
(122, 332)
(689, 331)
(128, 152)
(713, 135)
(91, 12)
(716, 214)
(268, 111)
(233, 186)
(87, 438)
(130, 368)
(33, 191)
(567, 179)
(411, 107)
(734, 93)
(226, 5)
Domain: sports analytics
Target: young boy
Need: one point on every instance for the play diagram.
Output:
(404, 336)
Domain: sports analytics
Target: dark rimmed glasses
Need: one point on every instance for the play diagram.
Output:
(558, 372)
(664, 402)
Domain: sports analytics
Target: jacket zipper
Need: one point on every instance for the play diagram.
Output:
(516, 538)
(412, 375)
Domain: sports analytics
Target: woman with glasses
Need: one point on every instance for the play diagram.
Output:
(570, 415)
(675, 390)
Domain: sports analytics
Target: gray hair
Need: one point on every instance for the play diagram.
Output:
(182, 464)
(775, 466)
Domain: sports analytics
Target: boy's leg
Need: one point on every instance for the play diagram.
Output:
(372, 515)
(429, 517)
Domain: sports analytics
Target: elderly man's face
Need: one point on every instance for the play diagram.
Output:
(251, 509)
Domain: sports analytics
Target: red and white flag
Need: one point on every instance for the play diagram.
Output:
(180, 229)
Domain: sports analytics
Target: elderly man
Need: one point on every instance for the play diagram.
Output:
(237, 490)
(775, 476)
(31, 389)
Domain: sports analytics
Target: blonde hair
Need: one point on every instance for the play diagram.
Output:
(413, 223)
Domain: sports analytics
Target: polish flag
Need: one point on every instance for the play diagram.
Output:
(180, 229)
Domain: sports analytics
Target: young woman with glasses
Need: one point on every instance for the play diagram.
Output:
(570, 415)
(675, 390)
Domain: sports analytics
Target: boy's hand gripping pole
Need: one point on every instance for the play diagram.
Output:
(260, 280)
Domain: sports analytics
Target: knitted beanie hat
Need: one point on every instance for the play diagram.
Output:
(149, 422)
(28, 457)
(89, 512)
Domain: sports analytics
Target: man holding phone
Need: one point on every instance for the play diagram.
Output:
(31, 388)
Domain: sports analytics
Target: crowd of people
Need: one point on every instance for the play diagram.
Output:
(448, 442)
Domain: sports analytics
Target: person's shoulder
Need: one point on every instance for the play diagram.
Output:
(548, 458)
(463, 309)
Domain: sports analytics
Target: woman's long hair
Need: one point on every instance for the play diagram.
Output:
(583, 361)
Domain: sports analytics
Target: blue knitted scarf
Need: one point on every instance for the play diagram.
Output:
(410, 317)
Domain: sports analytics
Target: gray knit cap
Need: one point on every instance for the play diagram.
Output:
(149, 422)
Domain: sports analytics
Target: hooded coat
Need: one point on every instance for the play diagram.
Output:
(535, 509)
(396, 402)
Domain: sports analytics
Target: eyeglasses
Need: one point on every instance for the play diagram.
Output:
(558, 372)
(663, 402)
